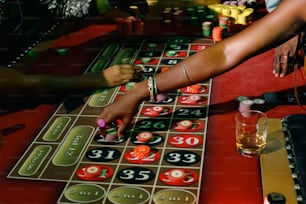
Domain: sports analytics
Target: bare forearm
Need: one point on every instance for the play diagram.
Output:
(13, 82)
(60, 84)
(230, 52)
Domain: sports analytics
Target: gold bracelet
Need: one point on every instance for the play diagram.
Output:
(155, 87)
(185, 73)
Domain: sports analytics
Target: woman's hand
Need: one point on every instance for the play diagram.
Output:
(123, 109)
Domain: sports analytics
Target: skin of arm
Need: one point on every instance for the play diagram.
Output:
(268, 32)
(14, 82)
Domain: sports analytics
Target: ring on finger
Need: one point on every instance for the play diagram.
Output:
(284, 59)
(281, 59)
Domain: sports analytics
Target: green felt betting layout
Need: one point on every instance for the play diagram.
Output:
(70, 149)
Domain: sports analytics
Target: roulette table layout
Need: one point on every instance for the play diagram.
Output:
(58, 153)
(71, 149)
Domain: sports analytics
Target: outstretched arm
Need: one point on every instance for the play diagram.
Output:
(268, 32)
(14, 82)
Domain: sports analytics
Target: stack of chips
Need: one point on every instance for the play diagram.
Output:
(177, 175)
(138, 26)
(238, 13)
(161, 97)
(206, 28)
(92, 171)
(177, 18)
(144, 136)
(184, 124)
(130, 25)
(173, 17)
(195, 88)
(217, 34)
(245, 103)
(239, 2)
(224, 22)
(235, 12)
(222, 15)
(211, 18)
(258, 103)
(201, 13)
(108, 130)
(142, 151)
(196, 15)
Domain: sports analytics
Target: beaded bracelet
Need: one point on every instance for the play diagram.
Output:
(185, 73)
(152, 88)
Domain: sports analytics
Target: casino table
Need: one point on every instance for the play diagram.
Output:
(228, 177)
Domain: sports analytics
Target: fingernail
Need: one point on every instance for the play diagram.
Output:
(101, 123)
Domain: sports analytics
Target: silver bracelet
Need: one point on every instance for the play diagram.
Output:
(185, 73)
(155, 87)
(152, 89)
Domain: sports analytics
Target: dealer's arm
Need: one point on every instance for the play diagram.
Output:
(14, 82)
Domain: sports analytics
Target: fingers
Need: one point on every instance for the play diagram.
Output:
(276, 66)
(108, 117)
(103, 115)
(280, 66)
(130, 68)
(130, 72)
(127, 69)
(121, 74)
(285, 56)
(139, 68)
(121, 128)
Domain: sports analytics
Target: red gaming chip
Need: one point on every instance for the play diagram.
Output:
(94, 172)
(144, 136)
(179, 177)
(139, 158)
(192, 100)
(141, 151)
(194, 89)
(188, 125)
